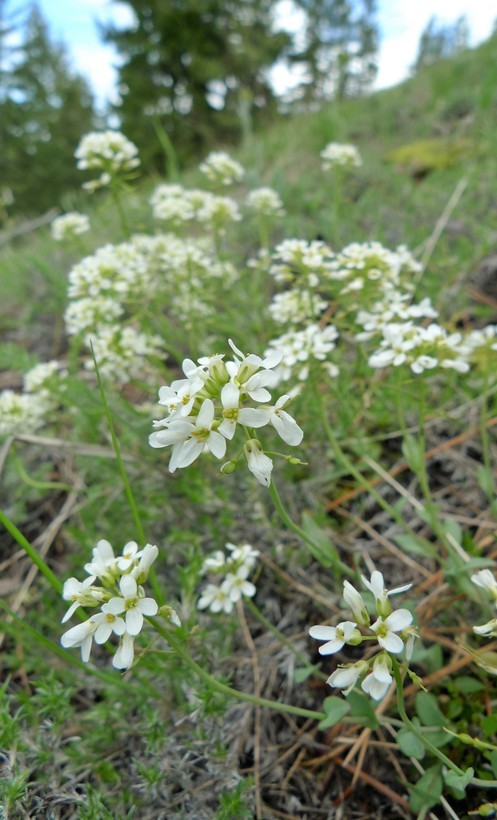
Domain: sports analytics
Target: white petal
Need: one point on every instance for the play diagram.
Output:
(185, 454)
(124, 656)
(148, 606)
(128, 586)
(392, 643)
(134, 621)
(217, 444)
(230, 396)
(287, 428)
(253, 417)
(399, 619)
(331, 647)
(322, 633)
(206, 414)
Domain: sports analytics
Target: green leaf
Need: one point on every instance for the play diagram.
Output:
(453, 528)
(303, 672)
(493, 762)
(467, 684)
(458, 781)
(335, 709)
(413, 453)
(415, 544)
(427, 791)
(489, 725)
(362, 709)
(409, 744)
(428, 710)
(485, 480)
(321, 547)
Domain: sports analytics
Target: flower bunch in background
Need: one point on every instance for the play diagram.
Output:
(340, 155)
(217, 398)
(392, 630)
(69, 225)
(110, 153)
(231, 572)
(221, 169)
(30, 410)
(114, 586)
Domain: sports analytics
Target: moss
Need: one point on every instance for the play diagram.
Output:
(422, 157)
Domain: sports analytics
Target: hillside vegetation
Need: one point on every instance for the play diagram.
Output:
(312, 448)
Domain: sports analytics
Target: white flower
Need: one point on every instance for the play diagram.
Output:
(377, 586)
(485, 579)
(335, 636)
(233, 414)
(69, 225)
(346, 677)
(216, 599)
(107, 623)
(286, 426)
(235, 585)
(81, 635)
(125, 653)
(131, 603)
(129, 556)
(108, 151)
(148, 555)
(377, 683)
(337, 154)
(259, 464)
(245, 555)
(81, 594)
(222, 169)
(103, 564)
(490, 628)
(355, 602)
(265, 202)
(190, 438)
(386, 629)
(214, 562)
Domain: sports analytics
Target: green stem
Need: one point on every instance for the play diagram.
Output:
(120, 210)
(475, 781)
(316, 549)
(411, 726)
(362, 480)
(29, 550)
(124, 478)
(227, 690)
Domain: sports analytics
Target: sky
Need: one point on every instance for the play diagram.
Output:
(75, 22)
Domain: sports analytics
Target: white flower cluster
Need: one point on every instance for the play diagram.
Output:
(232, 573)
(295, 306)
(340, 155)
(176, 205)
(121, 351)
(360, 264)
(395, 305)
(299, 262)
(393, 631)
(215, 396)
(69, 225)
(265, 202)
(422, 348)
(486, 580)
(30, 408)
(109, 152)
(299, 347)
(120, 597)
(221, 169)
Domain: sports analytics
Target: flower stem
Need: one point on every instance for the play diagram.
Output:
(228, 690)
(316, 549)
(29, 550)
(120, 210)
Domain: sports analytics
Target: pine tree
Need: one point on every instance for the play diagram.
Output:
(439, 41)
(340, 50)
(44, 110)
(194, 66)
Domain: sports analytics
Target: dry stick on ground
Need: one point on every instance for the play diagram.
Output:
(44, 541)
(392, 548)
(401, 468)
(257, 709)
(375, 783)
(441, 224)
(296, 585)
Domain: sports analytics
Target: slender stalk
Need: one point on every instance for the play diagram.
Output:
(280, 509)
(29, 550)
(124, 478)
(120, 210)
(228, 690)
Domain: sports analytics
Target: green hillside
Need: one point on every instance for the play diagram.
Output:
(323, 453)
